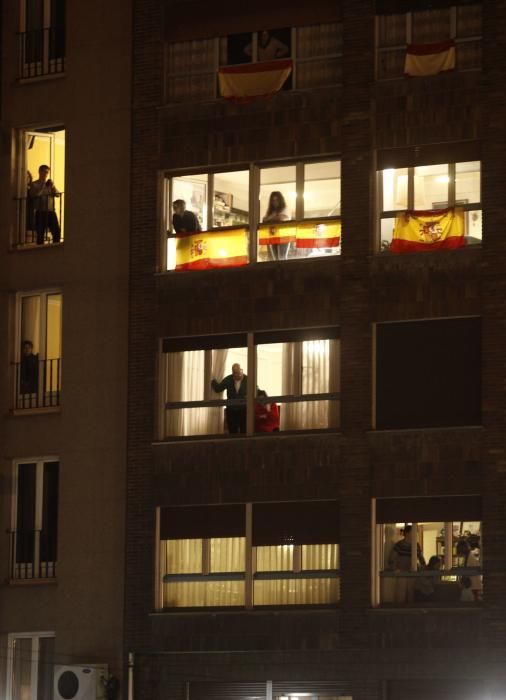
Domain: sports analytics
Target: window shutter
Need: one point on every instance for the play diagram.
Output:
(423, 510)
(202, 522)
(308, 522)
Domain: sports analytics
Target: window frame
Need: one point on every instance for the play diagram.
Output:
(249, 575)
(447, 570)
(254, 215)
(42, 393)
(37, 564)
(409, 34)
(35, 655)
(451, 192)
(252, 339)
(213, 72)
(47, 66)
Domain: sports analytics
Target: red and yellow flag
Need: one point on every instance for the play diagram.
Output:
(318, 235)
(206, 250)
(277, 234)
(429, 59)
(428, 230)
(253, 80)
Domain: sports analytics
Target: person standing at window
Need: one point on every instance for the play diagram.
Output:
(266, 415)
(277, 211)
(236, 386)
(42, 193)
(269, 47)
(184, 221)
(400, 562)
(29, 369)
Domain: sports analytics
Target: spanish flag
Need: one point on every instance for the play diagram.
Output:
(429, 59)
(277, 234)
(206, 250)
(253, 80)
(312, 234)
(428, 230)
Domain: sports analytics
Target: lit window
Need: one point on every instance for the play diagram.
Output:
(445, 566)
(41, 181)
(38, 350)
(430, 207)
(293, 557)
(206, 383)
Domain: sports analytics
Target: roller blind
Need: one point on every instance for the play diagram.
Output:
(196, 522)
(394, 7)
(205, 342)
(307, 522)
(423, 510)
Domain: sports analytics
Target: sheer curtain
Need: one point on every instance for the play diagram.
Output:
(189, 377)
(306, 370)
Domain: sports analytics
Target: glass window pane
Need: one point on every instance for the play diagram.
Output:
(320, 556)
(231, 199)
(395, 189)
(468, 182)
(227, 554)
(391, 64)
(386, 234)
(21, 669)
(278, 194)
(473, 226)
(45, 668)
(192, 189)
(239, 48)
(391, 30)
(183, 556)
(191, 594)
(431, 186)
(319, 40)
(297, 592)
(469, 20)
(430, 26)
(274, 558)
(322, 189)
(53, 332)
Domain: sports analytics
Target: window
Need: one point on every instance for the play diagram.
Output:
(429, 207)
(38, 351)
(34, 532)
(428, 373)
(444, 567)
(316, 50)
(396, 31)
(206, 383)
(41, 181)
(207, 559)
(30, 666)
(42, 38)
(211, 220)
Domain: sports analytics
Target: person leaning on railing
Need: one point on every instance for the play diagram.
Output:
(42, 193)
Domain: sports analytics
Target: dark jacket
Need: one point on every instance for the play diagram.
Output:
(229, 384)
(29, 374)
(186, 222)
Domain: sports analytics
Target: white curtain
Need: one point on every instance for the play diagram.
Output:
(306, 370)
(189, 379)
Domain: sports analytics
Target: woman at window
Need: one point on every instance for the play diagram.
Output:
(277, 211)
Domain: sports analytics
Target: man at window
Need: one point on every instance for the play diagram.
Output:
(236, 386)
(184, 221)
(29, 369)
(42, 193)
(400, 561)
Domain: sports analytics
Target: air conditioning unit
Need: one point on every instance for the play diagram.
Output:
(80, 682)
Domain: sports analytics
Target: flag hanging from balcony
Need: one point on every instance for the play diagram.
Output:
(277, 234)
(428, 230)
(319, 235)
(429, 59)
(206, 250)
(253, 81)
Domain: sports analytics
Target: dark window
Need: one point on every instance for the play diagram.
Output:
(428, 374)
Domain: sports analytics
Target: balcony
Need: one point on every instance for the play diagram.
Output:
(39, 220)
(37, 383)
(41, 52)
(32, 555)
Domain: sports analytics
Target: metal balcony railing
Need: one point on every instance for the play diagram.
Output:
(32, 554)
(39, 220)
(41, 52)
(37, 383)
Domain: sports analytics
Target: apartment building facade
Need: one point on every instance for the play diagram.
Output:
(65, 120)
(267, 564)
